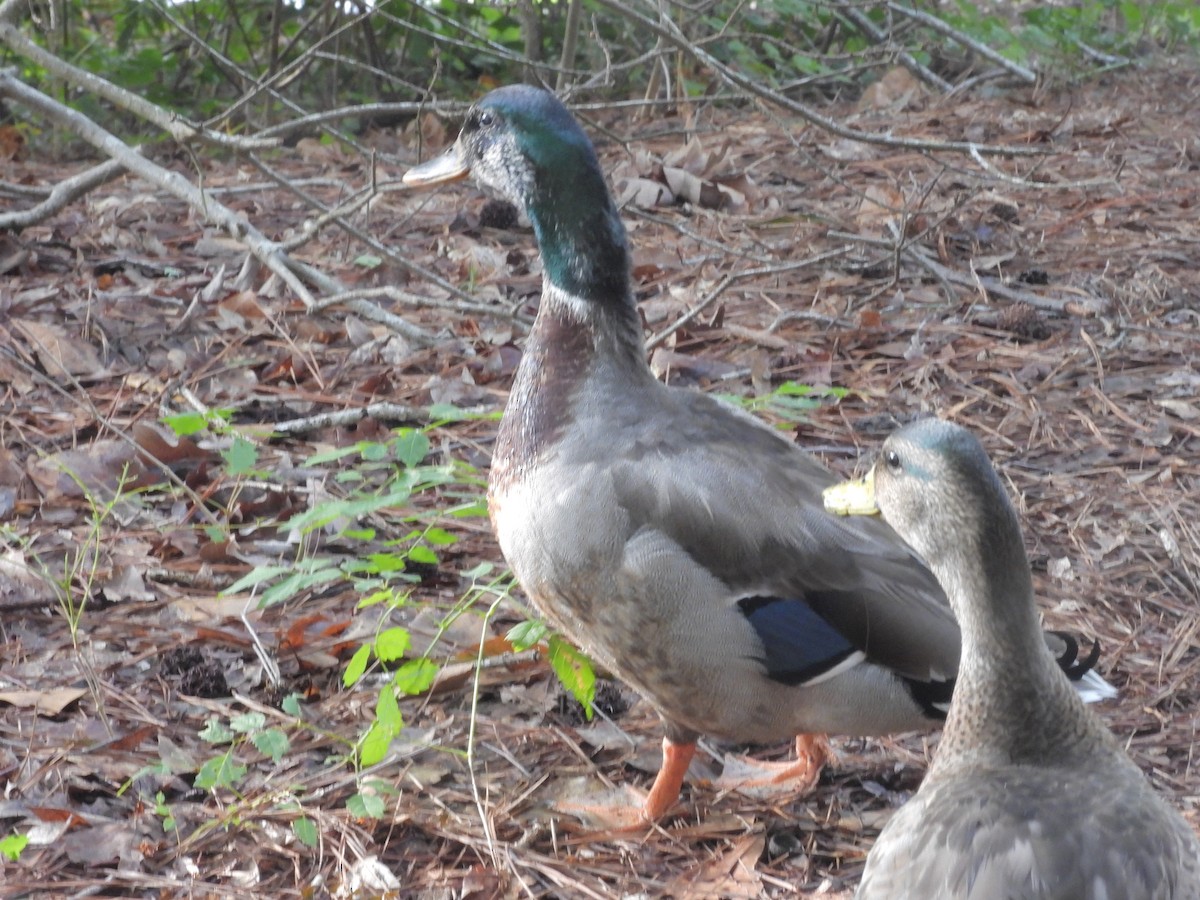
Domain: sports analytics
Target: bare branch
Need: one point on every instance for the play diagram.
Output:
(669, 31)
(875, 35)
(417, 301)
(268, 252)
(172, 182)
(170, 122)
(384, 411)
(62, 194)
(958, 37)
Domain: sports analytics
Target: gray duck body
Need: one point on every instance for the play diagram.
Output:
(678, 540)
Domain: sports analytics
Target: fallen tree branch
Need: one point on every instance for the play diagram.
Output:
(415, 300)
(170, 122)
(859, 20)
(172, 182)
(357, 233)
(385, 411)
(671, 33)
(989, 286)
(958, 37)
(62, 194)
(289, 271)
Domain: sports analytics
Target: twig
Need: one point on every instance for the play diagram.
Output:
(991, 286)
(1038, 185)
(867, 27)
(384, 411)
(1100, 56)
(361, 306)
(669, 31)
(485, 820)
(416, 300)
(61, 194)
(83, 399)
(170, 122)
(172, 182)
(728, 280)
(289, 271)
(364, 110)
(958, 37)
(724, 249)
(570, 40)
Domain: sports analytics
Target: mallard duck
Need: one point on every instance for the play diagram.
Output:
(680, 541)
(1028, 797)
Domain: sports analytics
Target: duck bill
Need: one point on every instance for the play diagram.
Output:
(442, 169)
(852, 498)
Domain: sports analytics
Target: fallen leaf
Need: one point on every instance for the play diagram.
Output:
(99, 469)
(47, 703)
(60, 352)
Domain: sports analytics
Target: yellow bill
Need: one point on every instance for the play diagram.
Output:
(852, 498)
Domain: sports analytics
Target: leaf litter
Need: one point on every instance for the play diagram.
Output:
(1061, 324)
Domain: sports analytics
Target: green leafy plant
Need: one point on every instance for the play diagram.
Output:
(382, 563)
(570, 664)
(790, 402)
(73, 580)
(163, 810)
(12, 845)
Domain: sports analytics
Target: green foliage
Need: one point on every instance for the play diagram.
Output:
(202, 58)
(72, 577)
(12, 845)
(305, 830)
(1060, 33)
(163, 810)
(575, 671)
(527, 634)
(383, 479)
(386, 725)
(790, 402)
(189, 423)
(224, 771)
(368, 803)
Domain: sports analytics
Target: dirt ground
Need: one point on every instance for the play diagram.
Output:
(1054, 307)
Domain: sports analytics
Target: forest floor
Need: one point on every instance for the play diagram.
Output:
(1056, 312)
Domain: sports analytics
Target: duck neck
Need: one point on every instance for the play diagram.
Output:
(587, 329)
(1011, 701)
(587, 312)
(580, 235)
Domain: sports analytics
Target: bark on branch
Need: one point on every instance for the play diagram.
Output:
(170, 122)
(291, 272)
(669, 32)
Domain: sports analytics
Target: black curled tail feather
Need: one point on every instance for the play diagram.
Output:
(1069, 661)
(934, 696)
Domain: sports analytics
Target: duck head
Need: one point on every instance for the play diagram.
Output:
(522, 144)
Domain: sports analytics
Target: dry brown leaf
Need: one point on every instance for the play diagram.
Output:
(161, 443)
(11, 142)
(60, 352)
(46, 703)
(881, 204)
(99, 469)
(731, 876)
(898, 89)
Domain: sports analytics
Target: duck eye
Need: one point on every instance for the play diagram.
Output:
(485, 119)
(891, 459)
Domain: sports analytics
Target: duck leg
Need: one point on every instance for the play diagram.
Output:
(628, 809)
(760, 779)
(677, 756)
